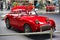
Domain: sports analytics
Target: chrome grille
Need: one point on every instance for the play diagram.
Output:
(45, 27)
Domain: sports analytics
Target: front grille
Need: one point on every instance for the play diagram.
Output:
(45, 27)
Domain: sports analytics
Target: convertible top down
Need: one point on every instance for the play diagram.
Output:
(27, 20)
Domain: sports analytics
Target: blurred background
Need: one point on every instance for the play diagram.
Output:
(42, 5)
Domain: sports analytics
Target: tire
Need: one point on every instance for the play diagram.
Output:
(53, 10)
(8, 24)
(27, 28)
(46, 10)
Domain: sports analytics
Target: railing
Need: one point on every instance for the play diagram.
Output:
(16, 34)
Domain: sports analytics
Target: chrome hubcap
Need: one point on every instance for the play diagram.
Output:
(27, 29)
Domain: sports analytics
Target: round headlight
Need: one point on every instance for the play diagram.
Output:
(36, 21)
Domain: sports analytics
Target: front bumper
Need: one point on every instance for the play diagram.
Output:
(46, 27)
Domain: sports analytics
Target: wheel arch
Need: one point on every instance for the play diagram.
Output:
(29, 26)
(6, 18)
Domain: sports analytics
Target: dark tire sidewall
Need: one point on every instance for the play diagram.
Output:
(26, 25)
(8, 25)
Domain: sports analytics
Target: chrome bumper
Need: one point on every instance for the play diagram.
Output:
(45, 27)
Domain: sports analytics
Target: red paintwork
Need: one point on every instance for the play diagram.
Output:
(19, 21)
(50, 7)
(28, 8)
(18, 7)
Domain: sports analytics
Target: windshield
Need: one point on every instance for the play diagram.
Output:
(32, 13)
(28, 13)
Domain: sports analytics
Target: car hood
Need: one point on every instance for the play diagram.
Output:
(33, 18)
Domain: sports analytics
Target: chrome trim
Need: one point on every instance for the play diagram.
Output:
(45, 27)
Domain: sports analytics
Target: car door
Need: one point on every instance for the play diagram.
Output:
(19, 20)
(13, 17)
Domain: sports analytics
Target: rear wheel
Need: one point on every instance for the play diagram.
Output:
(8, 24)
(27, 28)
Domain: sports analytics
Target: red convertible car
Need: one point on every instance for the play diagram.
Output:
(28, 21)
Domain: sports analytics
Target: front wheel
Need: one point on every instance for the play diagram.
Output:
(27, 28)
(8, 24)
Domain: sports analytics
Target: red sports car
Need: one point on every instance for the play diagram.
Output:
(28, 21)
(50, 8)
